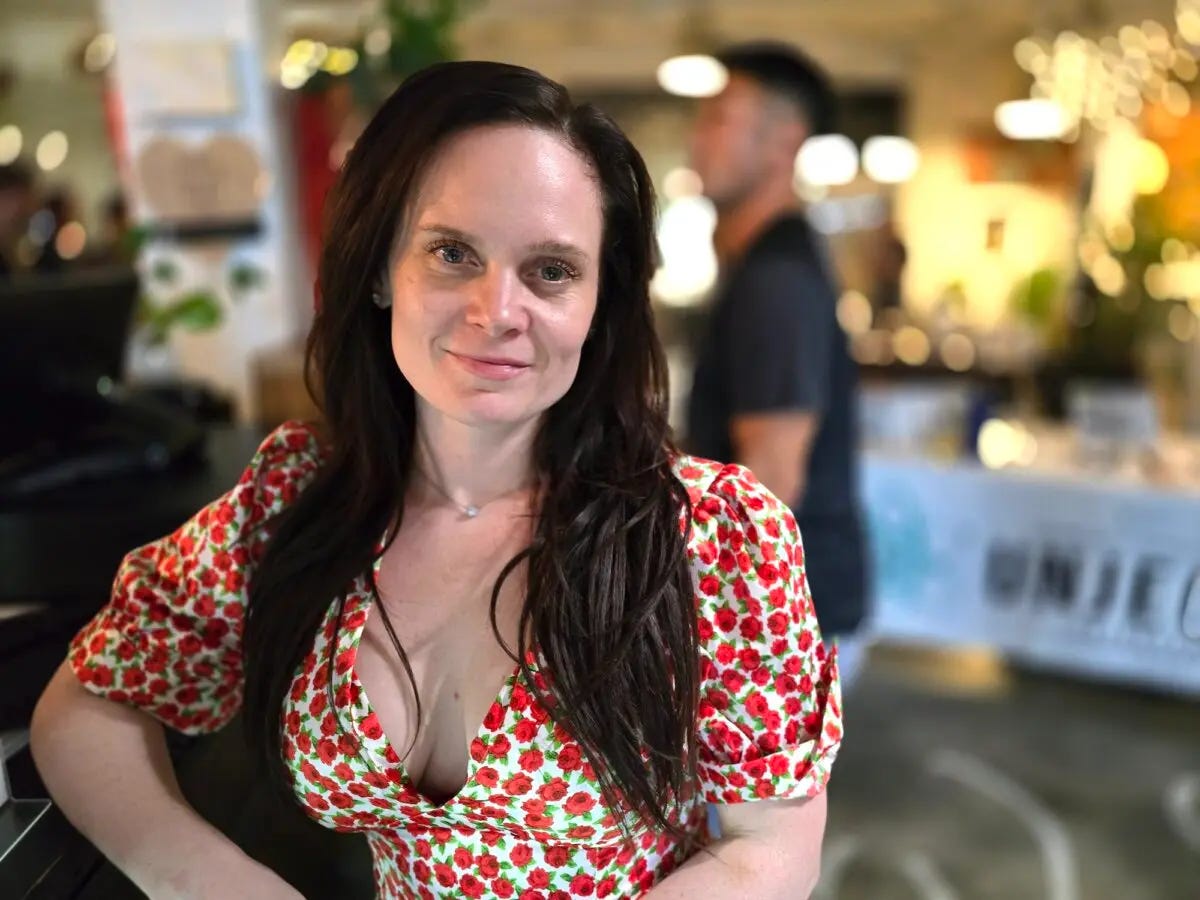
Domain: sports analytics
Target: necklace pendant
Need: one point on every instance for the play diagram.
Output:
(470, 511)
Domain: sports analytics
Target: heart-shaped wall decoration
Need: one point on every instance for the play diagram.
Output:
(221, 180)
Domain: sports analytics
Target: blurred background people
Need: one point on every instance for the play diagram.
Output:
(774, 387)
(16, 206)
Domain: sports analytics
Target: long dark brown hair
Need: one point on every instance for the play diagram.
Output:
(609, 607)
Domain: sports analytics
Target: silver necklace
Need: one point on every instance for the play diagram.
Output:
(469, 510)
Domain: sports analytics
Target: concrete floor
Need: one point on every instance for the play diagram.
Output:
(963, 780)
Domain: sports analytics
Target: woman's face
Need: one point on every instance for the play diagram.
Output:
(495, 276)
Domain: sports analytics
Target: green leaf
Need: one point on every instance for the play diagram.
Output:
(244, 277)
(197, 311)
(164, 270)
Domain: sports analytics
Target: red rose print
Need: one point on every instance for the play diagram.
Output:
(578, 833)
(444, 874)
(518, 784)
(489, 866)
(749, 658)
(343, 771)
(556, 856)
(487, 776)
(764, 789)
(756, 705)
(726, 619)
(502, 887)
(732, 681)
(421, 870)
(531, 894)
(750, 627)
(348, 744)
(725, 654)
(490, 836)
(371, 727)
(133, 678)
(531, 760)
(495, 715)
(206, 606)
(328, 751)
(320, 680)
(569, 758)
(583, 885)
(704, 628)
(606, 887)
(710, 585)
(463, 858)
(539, 878)
(552, 790)
(717, 698)
(525, 731)
(520, 697)
(580, 802)
(340, 800)
(521, 854)
(316, 706)
(102, 676)
(500, 746)
(316, 801)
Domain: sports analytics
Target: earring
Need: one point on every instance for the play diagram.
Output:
(381, 299)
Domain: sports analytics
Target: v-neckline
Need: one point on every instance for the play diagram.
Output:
(381, 749)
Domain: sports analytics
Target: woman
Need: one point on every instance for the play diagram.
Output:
(491, 527)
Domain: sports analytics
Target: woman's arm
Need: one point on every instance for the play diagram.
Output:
(769, 850)
(107, 768)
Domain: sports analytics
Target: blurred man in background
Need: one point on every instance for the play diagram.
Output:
(774, 387)
(16, 206)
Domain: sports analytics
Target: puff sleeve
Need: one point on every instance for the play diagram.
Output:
(169, 639)
(770, 707)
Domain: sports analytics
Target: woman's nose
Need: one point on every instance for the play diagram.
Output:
(497, 302)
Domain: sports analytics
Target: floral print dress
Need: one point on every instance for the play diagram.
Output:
(529, 822)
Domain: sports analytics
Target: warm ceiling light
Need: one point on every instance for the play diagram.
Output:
(1031, 120)
(827, 159)
(890, 160)
(1153, 169)
(52, 151)
(693, 75)
(10, 144)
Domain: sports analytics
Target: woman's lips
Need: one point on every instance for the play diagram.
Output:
(490, 367)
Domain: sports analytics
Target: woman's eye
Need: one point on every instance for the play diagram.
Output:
(554, 273)
(452, 255)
